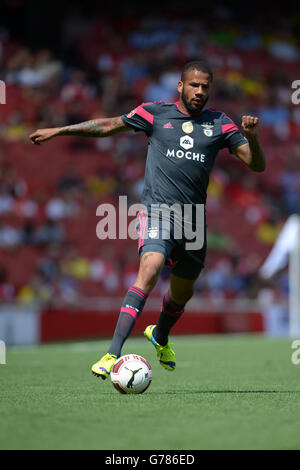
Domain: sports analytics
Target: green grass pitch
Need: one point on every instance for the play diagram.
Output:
(228, 392)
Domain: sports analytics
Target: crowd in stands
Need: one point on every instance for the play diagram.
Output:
(49, 194)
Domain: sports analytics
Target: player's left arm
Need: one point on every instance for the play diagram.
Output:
(251, 153)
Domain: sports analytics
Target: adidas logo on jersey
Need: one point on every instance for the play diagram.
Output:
(168, 126)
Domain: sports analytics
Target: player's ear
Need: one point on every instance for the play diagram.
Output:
(180, 86)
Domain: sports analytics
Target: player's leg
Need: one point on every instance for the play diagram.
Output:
(151, 264)
(150, 267)
(183, 277)
(153, 252)
(182, 280)
(179, 293)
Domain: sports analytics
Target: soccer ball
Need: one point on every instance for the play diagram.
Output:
(131, 374)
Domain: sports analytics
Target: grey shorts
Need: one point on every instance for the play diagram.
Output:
(184, 261)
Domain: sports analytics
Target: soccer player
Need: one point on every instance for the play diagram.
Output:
(184, 140)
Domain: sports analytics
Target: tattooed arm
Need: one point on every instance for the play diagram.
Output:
(95, 128)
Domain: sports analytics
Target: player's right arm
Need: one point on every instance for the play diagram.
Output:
(103, 127)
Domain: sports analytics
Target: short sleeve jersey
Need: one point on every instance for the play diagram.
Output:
(181, 150)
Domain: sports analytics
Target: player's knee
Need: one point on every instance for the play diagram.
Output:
(149, 273)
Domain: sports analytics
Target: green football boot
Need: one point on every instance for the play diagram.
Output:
(103, 367)
(165, 354)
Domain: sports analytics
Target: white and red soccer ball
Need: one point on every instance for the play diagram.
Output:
(131, 374)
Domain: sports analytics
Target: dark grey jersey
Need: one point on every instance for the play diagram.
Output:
(182, 150)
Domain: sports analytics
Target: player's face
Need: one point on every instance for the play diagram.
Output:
(194, 90)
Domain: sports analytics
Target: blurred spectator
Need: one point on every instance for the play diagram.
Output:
(159, 90)
(70, 181)
(49, 265)
(268, 231)
(15, 128)
(61, 206)
(38, 291)
(30, 75)
(105, 268)
(283, 46)
(244, 193)
(274, 115)
(6, 200)
(9, 236)
(13, 184)
(47, 65)
(290, 184)
(218, 240)
(132, 68)
(67, 291)
(215, 190)
(7, 290)
(50, 232)
(26, 208)
(100, 185)
(77, 88)
(223, 278)
(28, 233)
(73, 264)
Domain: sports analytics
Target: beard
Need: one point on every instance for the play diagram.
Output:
(192, 107)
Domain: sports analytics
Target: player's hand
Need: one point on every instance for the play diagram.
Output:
(41, 135)
(250, 125)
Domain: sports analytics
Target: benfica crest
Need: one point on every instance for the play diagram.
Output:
(207, 129)
(153, 232)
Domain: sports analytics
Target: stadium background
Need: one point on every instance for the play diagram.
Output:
(67, 62)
